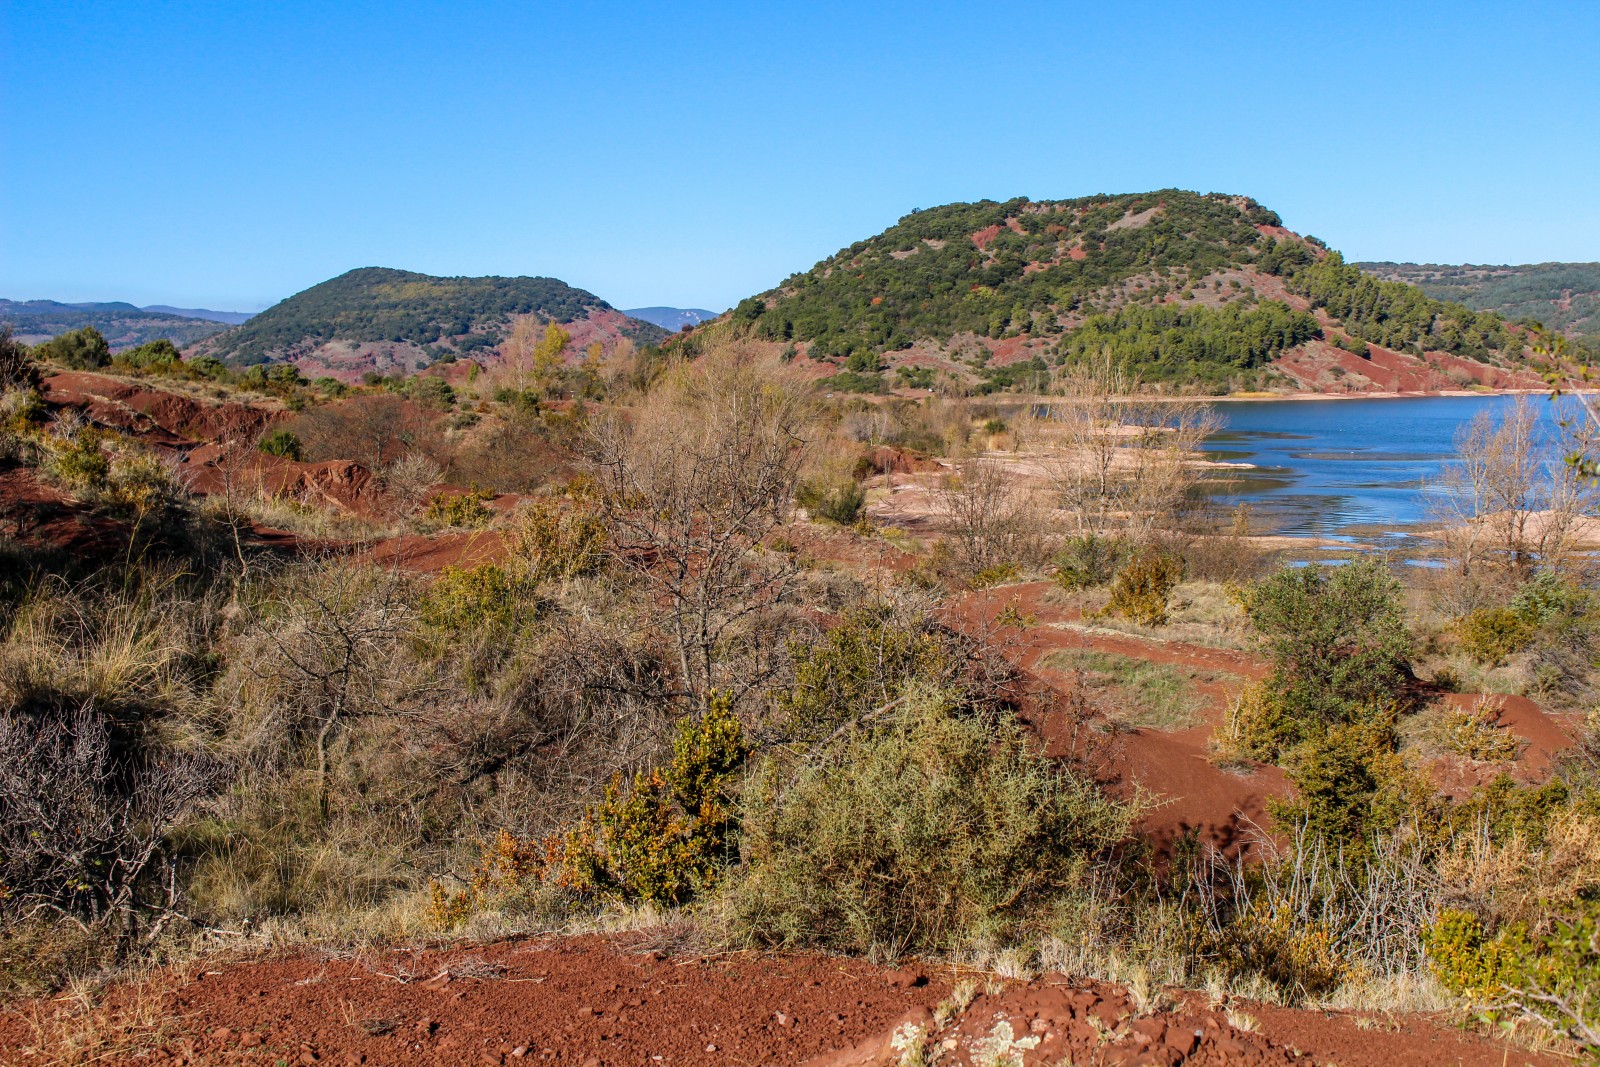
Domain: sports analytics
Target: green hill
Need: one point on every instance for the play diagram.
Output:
(1564, 297)
(393, 320)
(1190, 288)
(122, 325)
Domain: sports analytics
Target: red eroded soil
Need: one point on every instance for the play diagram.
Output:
(40, 516)
(597, 1002)
(1223, 807)
(154, 414)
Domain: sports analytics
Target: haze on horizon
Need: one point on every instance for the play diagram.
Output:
(226, 156)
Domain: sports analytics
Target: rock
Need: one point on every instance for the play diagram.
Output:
(519, 1052)
(783, 1019)
(711, 1048)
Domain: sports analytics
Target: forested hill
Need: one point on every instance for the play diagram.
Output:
(377, 318)
(1559, 296)
(122, 325)
(1189, 288)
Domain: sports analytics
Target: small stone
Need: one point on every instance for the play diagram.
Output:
(222, 1033)
(249, 1040)
(519, 1052)
(586, 1012)
(783, 1019)
(711, 1048)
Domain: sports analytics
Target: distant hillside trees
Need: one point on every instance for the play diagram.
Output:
(1109, 272)
(377, 304)
(1392, 314)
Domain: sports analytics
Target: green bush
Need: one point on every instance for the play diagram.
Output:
(159, 354)
(865, 662)
(1142, 588)
(551, 542)
(1489, 635)
(82, 349)
(467, 509)
(840, 504)
(1551, 976)
(463, 598)
(937, 830)
(669, 836)
(281, 442)
(81, 463)
(1337, 640)
(1088, 561)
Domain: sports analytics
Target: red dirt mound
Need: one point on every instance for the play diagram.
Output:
(39, 516)
(155, 414)
(611, 1001)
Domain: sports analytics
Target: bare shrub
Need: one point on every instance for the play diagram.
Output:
(322, 655)
(990, 521)
(1123, 460)
(375, 430)
(689, 487)
(85, 816)
(1510, 499)
(408, 483)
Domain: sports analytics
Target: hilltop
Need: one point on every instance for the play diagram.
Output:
(123, 325)
(669, 318)
(1564, 297)
(1193, 290)
(384, 320)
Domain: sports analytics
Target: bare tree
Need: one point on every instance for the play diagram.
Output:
(990, 518)
(328, 658)
(689, 487)
(1510, 497)
(1123, 460)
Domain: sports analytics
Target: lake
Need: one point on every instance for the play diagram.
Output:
(1355, 471)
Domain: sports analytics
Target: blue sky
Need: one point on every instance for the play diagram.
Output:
(228, 155)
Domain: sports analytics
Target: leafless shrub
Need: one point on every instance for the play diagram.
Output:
(409, 481)
(323, 654)
(1124, 460)
(85, 815)
(991, 521)
(689, 487)
(1510, 499)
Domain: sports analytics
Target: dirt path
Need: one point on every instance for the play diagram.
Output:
(1223, 807)
(599, 1002)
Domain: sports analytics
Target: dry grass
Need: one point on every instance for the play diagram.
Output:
(92, 1022)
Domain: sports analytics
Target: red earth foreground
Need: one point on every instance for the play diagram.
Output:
(607, 1001)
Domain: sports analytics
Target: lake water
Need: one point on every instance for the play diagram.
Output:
(1355, 471)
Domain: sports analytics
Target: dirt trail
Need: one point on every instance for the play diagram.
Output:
(600, 1002)
(1223, 807)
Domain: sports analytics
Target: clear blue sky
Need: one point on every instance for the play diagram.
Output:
(229, 154)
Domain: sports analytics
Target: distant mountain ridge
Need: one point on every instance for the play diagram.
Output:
(1564, 297)
(123, 324)
(231, 318)
(1196, 290)
(669, 318)
(383, 320)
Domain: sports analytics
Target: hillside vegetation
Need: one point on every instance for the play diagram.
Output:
(1188, 288)
(122, 325)
(436, 317)
(1559, 296)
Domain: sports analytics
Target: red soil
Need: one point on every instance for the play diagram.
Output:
(601, 1001)
(982, 237)
(40, 516)
(154, 414)
(1223, 807)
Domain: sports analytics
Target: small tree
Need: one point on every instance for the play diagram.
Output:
(1337, 638)
(688, 488)
(81, 349)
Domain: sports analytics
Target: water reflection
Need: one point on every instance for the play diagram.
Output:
(1322, 467)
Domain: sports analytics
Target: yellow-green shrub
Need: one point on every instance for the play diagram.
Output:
(460, 509)
(1142, 588)
(1489, 635)
(552, 542)
(467, 597)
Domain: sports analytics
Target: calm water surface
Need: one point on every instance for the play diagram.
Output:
(1351, 470)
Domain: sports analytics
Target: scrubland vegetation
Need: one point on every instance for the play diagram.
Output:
(660, 701)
